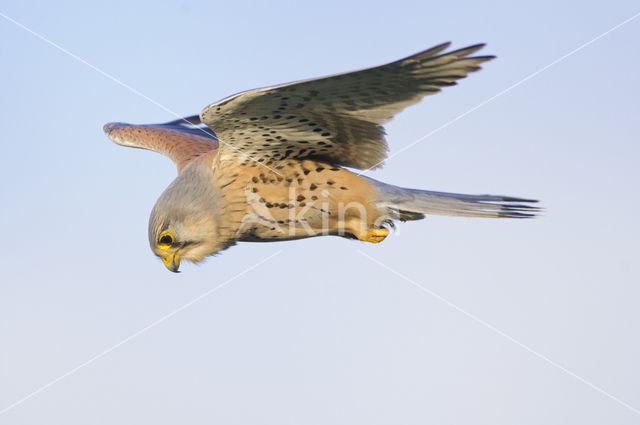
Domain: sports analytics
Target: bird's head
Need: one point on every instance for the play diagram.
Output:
(184, 221)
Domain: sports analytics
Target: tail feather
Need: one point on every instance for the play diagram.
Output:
(412, 204)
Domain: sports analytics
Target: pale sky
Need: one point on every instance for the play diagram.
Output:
(448, 321)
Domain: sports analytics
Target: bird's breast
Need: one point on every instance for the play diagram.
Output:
(295, 199)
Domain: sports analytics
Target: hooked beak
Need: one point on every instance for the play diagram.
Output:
(172, 262)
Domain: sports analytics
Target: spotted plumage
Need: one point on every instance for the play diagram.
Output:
(267, 164)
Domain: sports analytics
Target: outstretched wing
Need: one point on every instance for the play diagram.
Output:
(181, 140)
(338, 118)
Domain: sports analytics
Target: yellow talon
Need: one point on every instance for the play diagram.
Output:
(374, 235)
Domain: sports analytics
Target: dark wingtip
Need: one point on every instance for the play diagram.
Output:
(112, 126)
(107, 128)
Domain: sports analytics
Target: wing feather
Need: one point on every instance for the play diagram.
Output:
(337, 118)
(181, 140)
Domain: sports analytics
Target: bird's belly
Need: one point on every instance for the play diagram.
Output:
(286, 220)
(306, 199)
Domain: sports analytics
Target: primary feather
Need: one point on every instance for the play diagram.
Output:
(338, 118)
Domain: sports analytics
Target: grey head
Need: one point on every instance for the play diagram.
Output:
(184, 220)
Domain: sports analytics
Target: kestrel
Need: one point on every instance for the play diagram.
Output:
(269, 164)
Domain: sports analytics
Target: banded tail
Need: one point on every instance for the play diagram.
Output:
(413, 204)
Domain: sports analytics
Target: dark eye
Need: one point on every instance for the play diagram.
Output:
(166, 240)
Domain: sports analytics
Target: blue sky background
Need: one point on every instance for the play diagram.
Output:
(320, 333)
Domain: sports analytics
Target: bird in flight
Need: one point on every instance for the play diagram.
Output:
(269, 164)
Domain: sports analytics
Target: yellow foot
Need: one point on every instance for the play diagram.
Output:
(374, 235)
